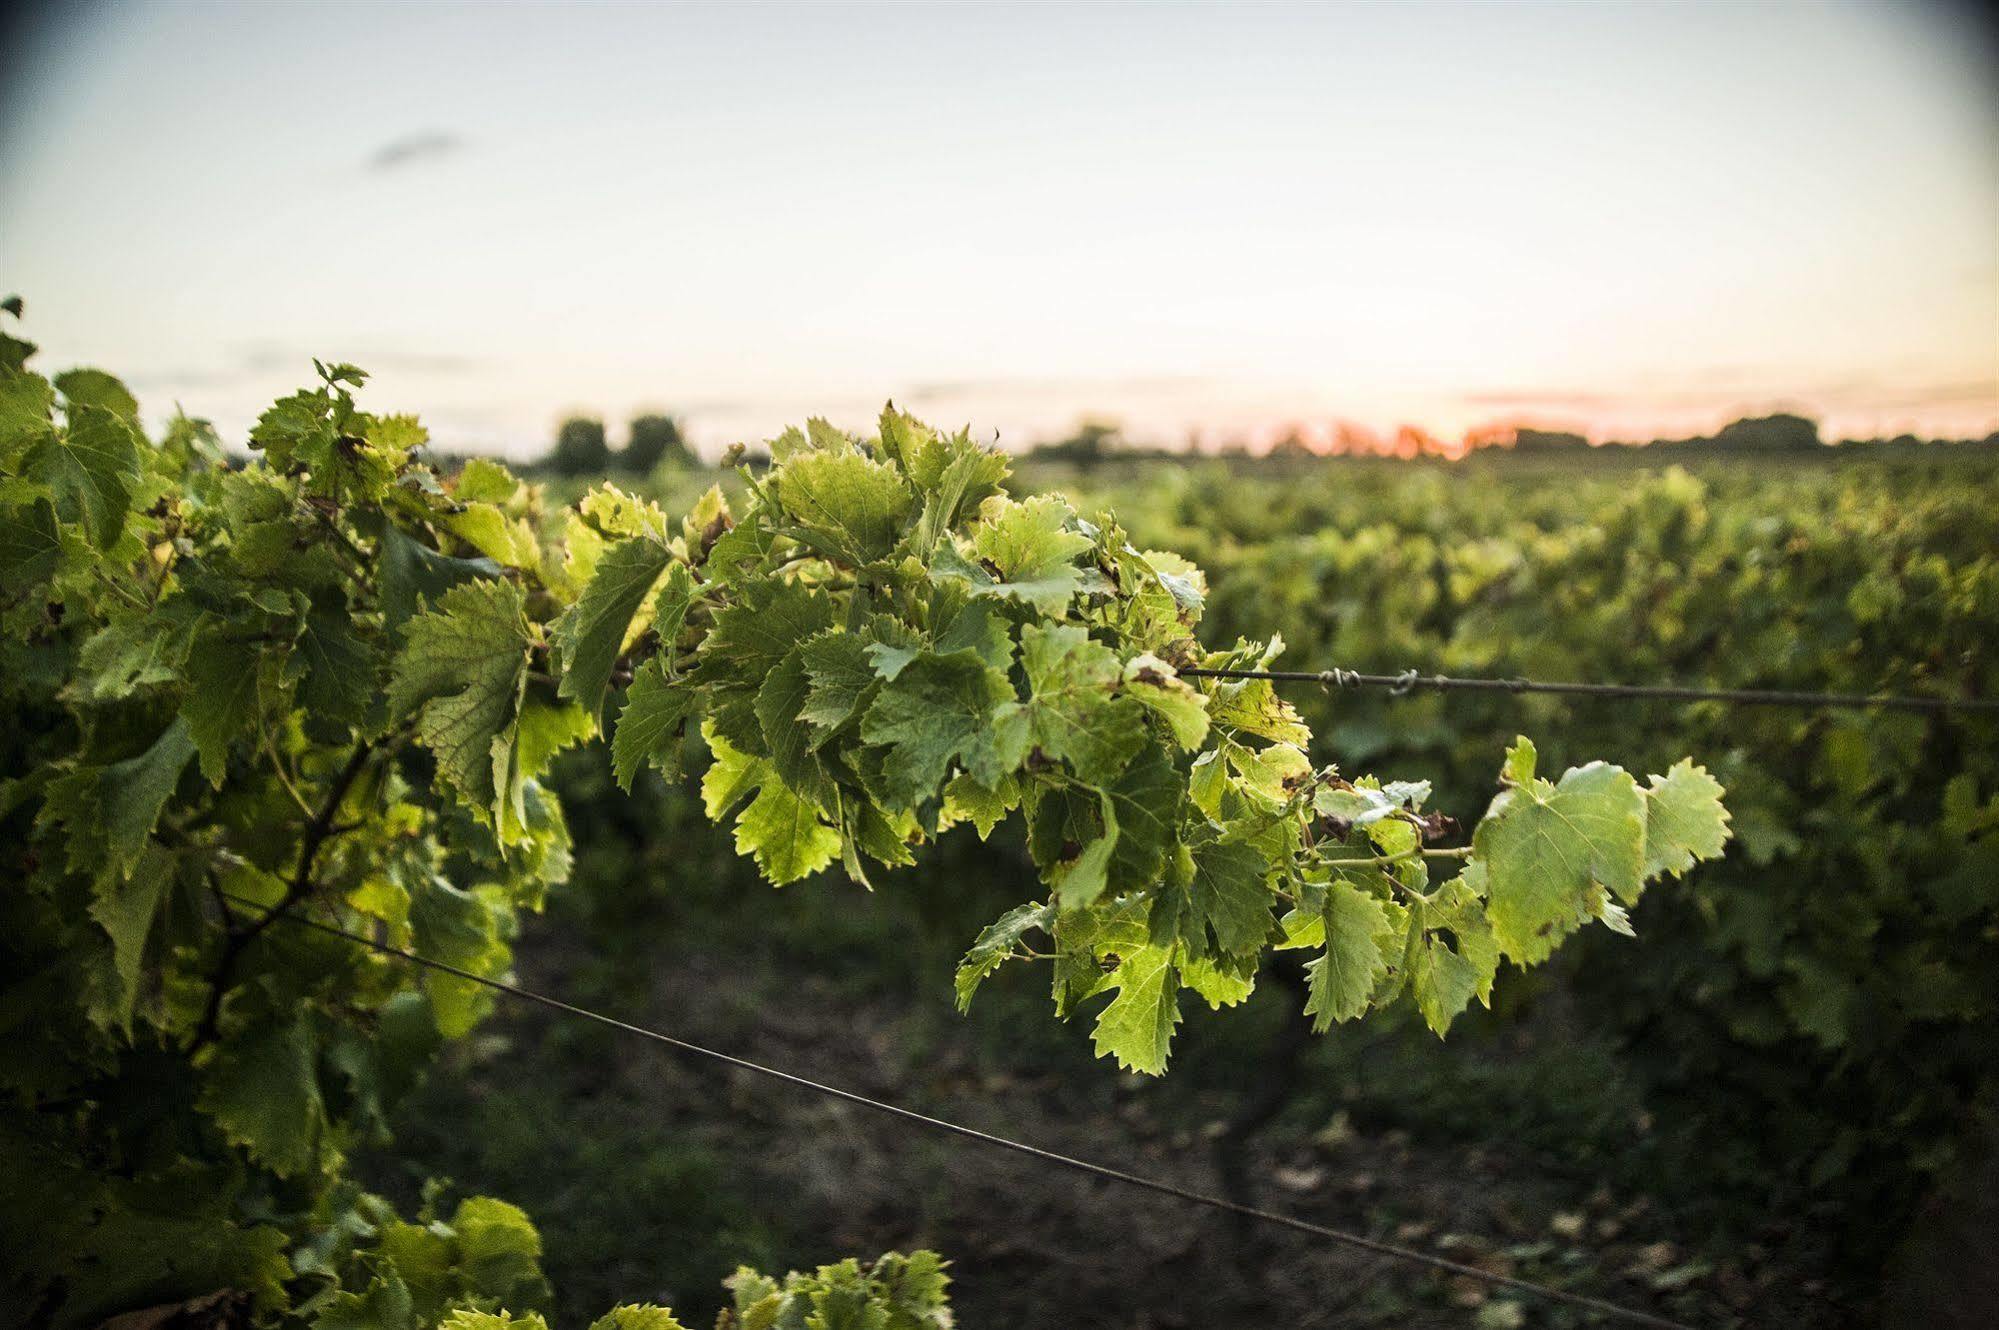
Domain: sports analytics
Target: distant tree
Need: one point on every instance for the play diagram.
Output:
(580, 448)
(1769, 434)
(1547, 441)
(1294, 446)
(655, 439)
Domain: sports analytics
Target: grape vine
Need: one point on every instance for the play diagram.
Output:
(330, 680)
(886, 644)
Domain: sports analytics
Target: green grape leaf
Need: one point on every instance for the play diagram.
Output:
(985, 807)
(340, 668)
(30, 548)
(415, 575)
(26, 402)
(223, 672)
(122, 803)
(1084, 878)
(499, 1249)
(1253, 706)
(778, 704)
(994, 946)
(1216, 904)
(1230, 898)
(937, 711)
(460, 928)
(263, 1092)
(1145, 800)
(751, 637)
(1545, 846)
(541, 732)
(677, 594)
(1684, 820)
(462, 672)
(781, 830)
(1154, 685)
(93, 387)
(384, 1305)
(508, 541)
(1029, 548)
(464, 1318)
(1087, 943)
(953, 475)
(93, 466)
(1136, 1026)
(424, 1257)
(637, 1316)
(916, 1287)
(785, 835)
(484, 480)
(656, 710)
(1217, 987)
(1360, 940)
(842, 681)
(1073, 712)
(846, 506)
(731, 777)
(981, 627)
(126, 911)
(1442, 980)
(591, 633)
(1452, 955)
(740, 550)
(134, 653)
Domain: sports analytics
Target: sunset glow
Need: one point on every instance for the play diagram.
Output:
(1383, 228)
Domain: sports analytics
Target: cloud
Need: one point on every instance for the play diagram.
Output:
(426, 145)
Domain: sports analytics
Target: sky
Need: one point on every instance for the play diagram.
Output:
(1208, 223)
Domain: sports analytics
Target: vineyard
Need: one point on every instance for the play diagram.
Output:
(313, 747)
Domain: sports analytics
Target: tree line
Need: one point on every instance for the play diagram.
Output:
(582, 445)
(1094, 442)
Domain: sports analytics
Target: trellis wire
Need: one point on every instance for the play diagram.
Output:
(1354, 1240)
(1409, 681)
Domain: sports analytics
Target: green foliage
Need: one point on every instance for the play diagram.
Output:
(1808, 1016)
(896, 1292)
(875, 659)
(329, 684)
(320, 685)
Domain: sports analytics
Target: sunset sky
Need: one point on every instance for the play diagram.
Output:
(1217, 221)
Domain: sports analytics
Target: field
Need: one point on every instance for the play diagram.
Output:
(1718, 995)
(1734, 1115)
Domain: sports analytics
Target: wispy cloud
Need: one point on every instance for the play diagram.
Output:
(426, 145)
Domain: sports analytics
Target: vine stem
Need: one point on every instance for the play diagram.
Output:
(359, 570)
(119, 591)
(318, 830)
(1458, 852)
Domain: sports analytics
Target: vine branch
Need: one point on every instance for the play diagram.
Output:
(318, 831)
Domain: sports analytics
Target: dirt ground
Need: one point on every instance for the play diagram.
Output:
(1037, 1246)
